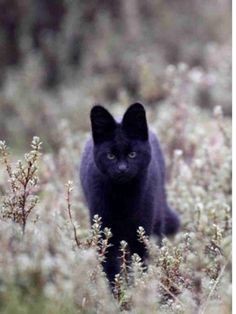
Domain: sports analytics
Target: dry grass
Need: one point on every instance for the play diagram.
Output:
(51, 257)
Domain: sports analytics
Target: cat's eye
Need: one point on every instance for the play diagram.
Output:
(132, 155)
(111, 156)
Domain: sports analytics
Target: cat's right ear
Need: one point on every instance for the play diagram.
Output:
(103, 124)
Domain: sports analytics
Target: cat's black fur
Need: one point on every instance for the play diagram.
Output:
(126, 190)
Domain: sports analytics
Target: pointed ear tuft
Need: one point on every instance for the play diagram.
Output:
(103, 124)
(134, 122)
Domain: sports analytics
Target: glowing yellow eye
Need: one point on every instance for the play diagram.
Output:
(111, 156)
(132, 155)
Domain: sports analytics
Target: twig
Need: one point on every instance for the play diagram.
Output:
(69, 189)
(173, 296)
(214, 286)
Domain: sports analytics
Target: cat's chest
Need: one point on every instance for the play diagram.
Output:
(124, 210)
(123, 200)
(124, 217)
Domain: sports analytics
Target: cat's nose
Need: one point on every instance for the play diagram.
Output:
(122, 167)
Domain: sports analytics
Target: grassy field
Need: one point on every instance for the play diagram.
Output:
(49, 255)
(175, 58)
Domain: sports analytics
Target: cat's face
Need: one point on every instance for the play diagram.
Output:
(121, 150)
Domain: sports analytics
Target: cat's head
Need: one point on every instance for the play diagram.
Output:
(121, 149)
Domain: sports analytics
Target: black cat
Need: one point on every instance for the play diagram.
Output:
(123, 178)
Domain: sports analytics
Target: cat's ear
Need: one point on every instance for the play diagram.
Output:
(103, 124)
(134, 122)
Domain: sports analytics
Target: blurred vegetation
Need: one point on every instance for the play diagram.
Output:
(50, 258)
(57, 58)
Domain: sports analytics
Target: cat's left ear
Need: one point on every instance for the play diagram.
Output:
(134, 122)
(103, 124)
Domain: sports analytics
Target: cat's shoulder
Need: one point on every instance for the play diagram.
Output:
(87, 155)
(153, 139)
(88, 146)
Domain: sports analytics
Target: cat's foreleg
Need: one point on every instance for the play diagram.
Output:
(111, 265)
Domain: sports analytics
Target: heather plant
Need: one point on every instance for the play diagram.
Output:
(23, 180)
(57, 264)
(119, 53)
